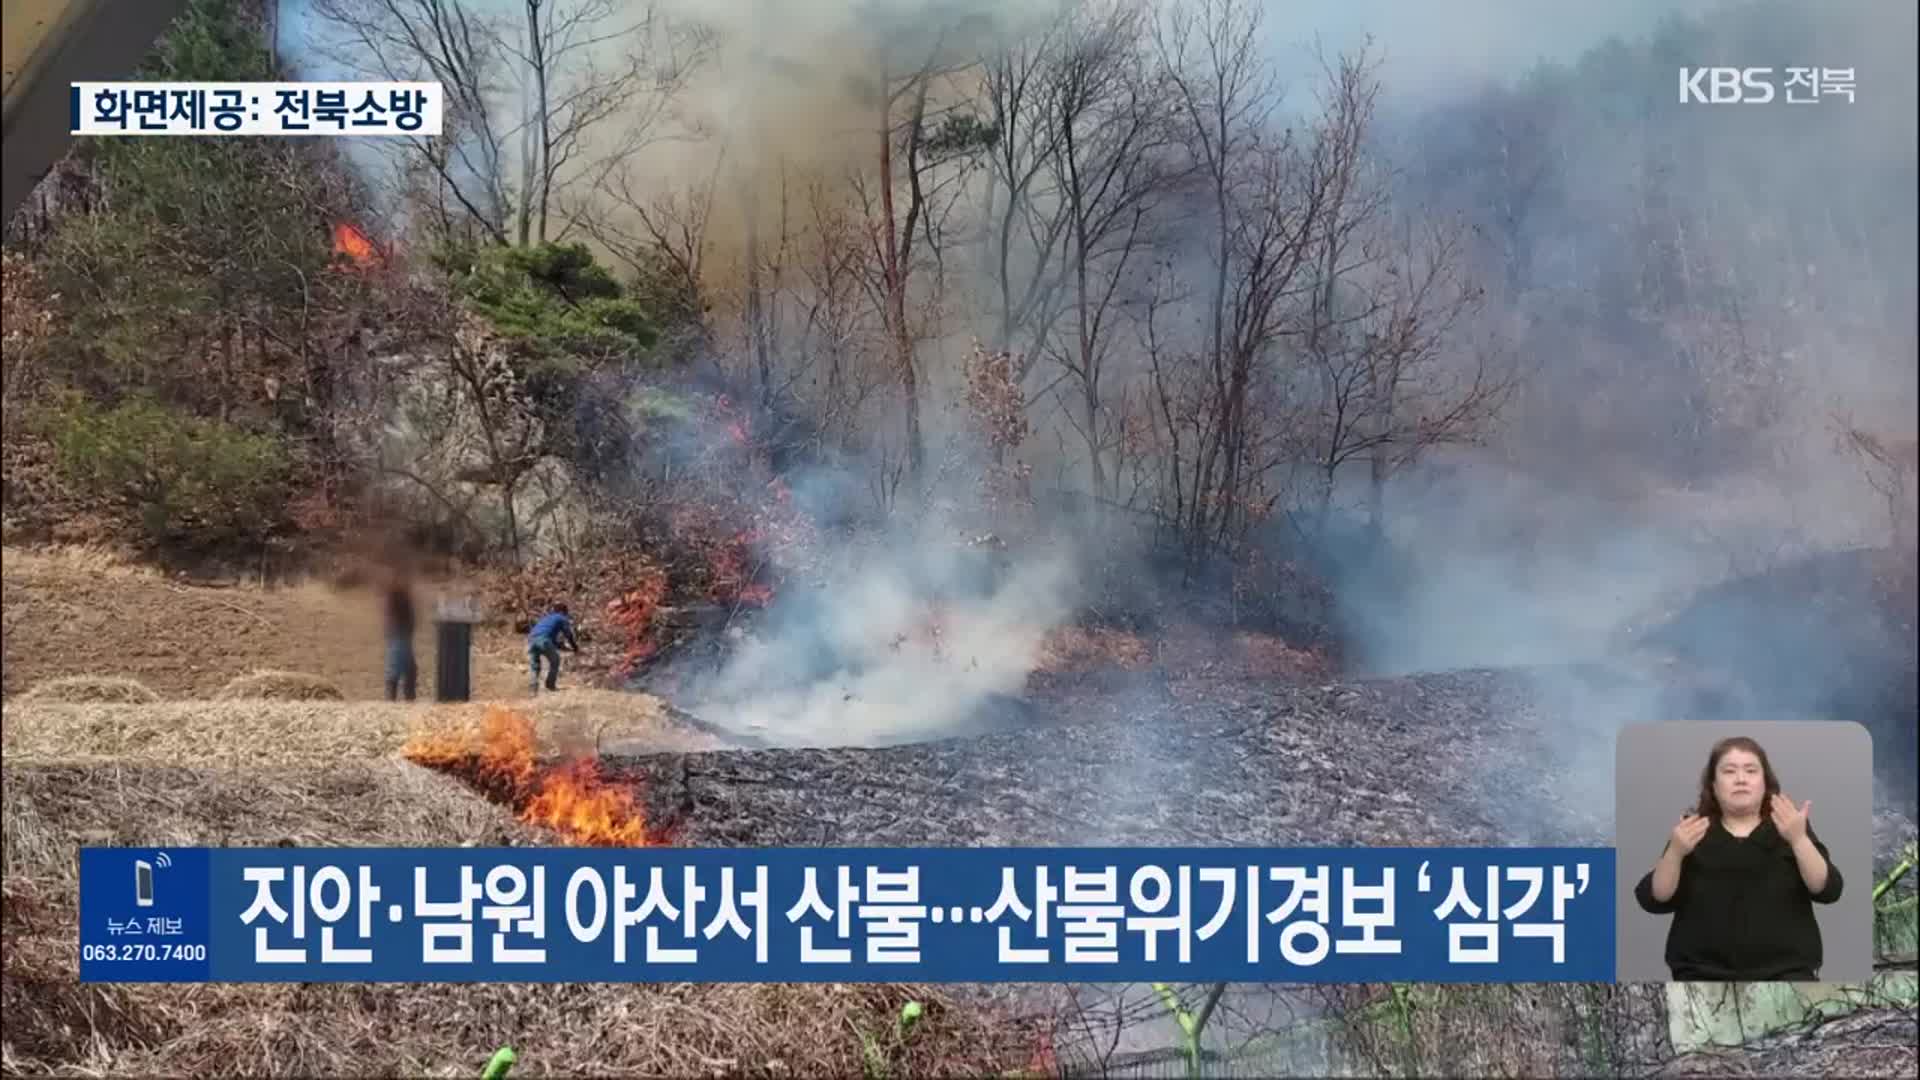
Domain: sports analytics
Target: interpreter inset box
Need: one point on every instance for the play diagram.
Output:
(1745, 852)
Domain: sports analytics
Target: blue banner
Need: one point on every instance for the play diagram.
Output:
(846, 915)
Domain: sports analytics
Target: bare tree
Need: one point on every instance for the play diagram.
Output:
(835, 333)
(927, 135)
(577, 84)
(1392, 383)
(650, 231)
(436, 41)
(1225, 93)
(1386, 296)
(1329, 331)
(1025, 218)
(1111, 166)
(589, 63)
(1267, 195)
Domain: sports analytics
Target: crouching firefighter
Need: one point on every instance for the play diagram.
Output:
(552, 633)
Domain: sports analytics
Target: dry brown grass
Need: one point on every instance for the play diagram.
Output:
(1077, 649)
(91, 690)
(57, 1025)
(1184, 650)
(85, 612)
(68, 559)
(280, 686)
(257, 734)
(1266, 655)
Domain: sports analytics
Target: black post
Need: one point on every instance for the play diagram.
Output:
(453, 660)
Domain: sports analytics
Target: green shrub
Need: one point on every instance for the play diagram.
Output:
(555, 302)
(183, 479)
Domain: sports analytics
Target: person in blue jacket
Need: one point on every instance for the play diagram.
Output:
(553, 632)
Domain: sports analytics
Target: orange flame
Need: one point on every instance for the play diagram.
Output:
(633, 612)
(731, 569)
(571, 798)
(354, 244)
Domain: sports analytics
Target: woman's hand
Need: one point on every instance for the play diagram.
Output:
(1686, 835)
(1666, 871)
(1789, 819)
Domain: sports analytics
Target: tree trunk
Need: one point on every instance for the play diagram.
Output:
(1216, 345)
(527, 176)
(909, 386)
(756, 311)
(1083, 343)
(896, 281)
(508, 485)
(1233, 445)
(1376, 495)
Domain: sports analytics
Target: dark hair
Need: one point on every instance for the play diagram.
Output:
(560, 608)
(1709, 806)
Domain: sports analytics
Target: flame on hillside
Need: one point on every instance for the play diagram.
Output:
(570, 798)
(733, 568)
(354, 245)
(634, 613)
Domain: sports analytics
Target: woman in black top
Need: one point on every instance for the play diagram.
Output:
(1740, 875)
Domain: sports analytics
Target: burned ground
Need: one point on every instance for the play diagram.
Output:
(1478, 757)
(1430, 760)
(1132, 742)
(1138, 759)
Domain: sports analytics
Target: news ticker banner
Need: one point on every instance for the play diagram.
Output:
(256, 108)
(846, 914)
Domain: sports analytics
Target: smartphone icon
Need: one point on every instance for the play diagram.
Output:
(142, 883)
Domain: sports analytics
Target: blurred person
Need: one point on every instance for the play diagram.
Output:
(552, 633)
(402, 673)
(1740, 874)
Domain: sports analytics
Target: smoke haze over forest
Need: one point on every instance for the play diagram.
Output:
(1224, 423)
(1569, 347)
(1690, 296)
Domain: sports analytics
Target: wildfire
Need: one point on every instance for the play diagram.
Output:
(633, 612)
(571, 798)
(736, 425)
(353, 244)
(732, 572)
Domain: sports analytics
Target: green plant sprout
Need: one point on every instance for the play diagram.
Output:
(1192, 1024)
(910, 1014)
(1907, 860)
(878, 1059)
(503, 1060)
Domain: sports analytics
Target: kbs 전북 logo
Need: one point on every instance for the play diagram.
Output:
(1763, 85)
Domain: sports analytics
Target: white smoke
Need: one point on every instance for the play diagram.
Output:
(901, 644)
